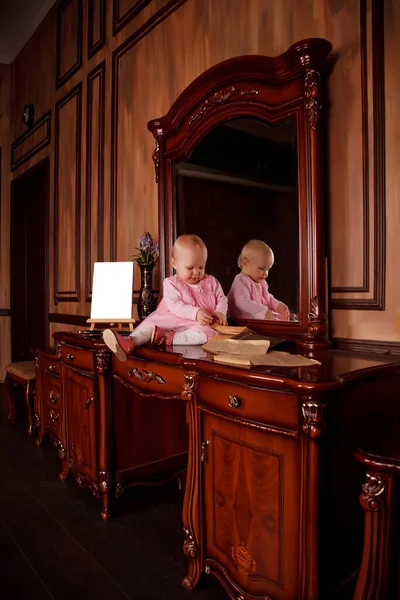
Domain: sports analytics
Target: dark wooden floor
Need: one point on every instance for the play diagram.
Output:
(53, 543)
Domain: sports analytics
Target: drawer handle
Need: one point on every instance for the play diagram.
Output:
(54, 416)
(70, 357)
(234, 401)
(145, 376)
(52, 367)
(88, 402)
(54, 397)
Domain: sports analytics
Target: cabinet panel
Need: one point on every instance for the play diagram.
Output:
(82, 422)
(252, 495)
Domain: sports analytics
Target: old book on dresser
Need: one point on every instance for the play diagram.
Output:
(110, 431)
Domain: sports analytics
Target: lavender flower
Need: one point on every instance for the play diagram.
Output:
(148, 252)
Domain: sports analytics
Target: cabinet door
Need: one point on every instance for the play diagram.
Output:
(251, 487)
(81, 399)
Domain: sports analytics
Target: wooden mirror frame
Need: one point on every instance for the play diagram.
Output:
(271, 89)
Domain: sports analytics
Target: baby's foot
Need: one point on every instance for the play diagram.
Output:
(120, 345)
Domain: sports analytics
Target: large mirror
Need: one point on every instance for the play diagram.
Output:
(239, 184)
(238, 157)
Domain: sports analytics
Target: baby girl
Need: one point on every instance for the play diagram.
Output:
(191, 302)
(249, 297)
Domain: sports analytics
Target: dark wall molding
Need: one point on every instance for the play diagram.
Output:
(120, 21)
(377, 302)
(118, 53)
(95, 45)
(62, 78)
(45, 123)
(367, 346)
(98, 120)
(79, 320)
(70, 295)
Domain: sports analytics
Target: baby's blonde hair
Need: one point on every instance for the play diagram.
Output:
(186, 240)
(253, 246)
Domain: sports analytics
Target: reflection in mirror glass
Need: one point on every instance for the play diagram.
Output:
(239, 184)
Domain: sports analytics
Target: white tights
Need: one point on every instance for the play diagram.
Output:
(188, 337)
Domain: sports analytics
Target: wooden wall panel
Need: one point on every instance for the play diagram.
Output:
(126, 10)
(67, 197)
(96, 25)
(69, 40)
(354, 232)
(94, 200)
(154, 54)
(32, 141)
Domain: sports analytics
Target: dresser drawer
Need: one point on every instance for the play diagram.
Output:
(150, 377)
(78, 357)
(278, 409)
(52, 391)
(54, 420)
(50, 365)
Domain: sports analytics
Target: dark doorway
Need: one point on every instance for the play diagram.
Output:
(28, 261)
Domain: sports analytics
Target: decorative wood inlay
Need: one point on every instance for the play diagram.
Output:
(239, 420)
(219, 98)
(156, 159)
(316, 317)
(371, 490)
(70, 194)
(190, 513)
(313, 418)
(379, 166)
(120, 21)
(103, 362)
(133, 39)
(313, 95)
(94, 201)
(145, 376)
(66, 66)
(96, 16)
(32, 141)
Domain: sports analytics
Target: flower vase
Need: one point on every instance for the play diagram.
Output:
(146, 301)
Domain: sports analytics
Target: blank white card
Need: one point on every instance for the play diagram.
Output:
(112, 290)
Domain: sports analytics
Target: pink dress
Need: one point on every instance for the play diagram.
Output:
(181, 301)
(250, 300)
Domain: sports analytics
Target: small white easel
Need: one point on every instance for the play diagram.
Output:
(119, 323)
(112, 295)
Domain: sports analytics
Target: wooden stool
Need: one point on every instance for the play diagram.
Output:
(378, 578)
(21, 373)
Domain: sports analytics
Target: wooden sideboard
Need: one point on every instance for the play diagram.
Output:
(271, 505)
(271, 501)
(112, 427)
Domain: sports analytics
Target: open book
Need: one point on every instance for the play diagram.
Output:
(240, 346)
(238, 340)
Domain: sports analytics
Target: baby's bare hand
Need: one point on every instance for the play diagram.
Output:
(220, 318)
(203, 317)
(283, 310)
